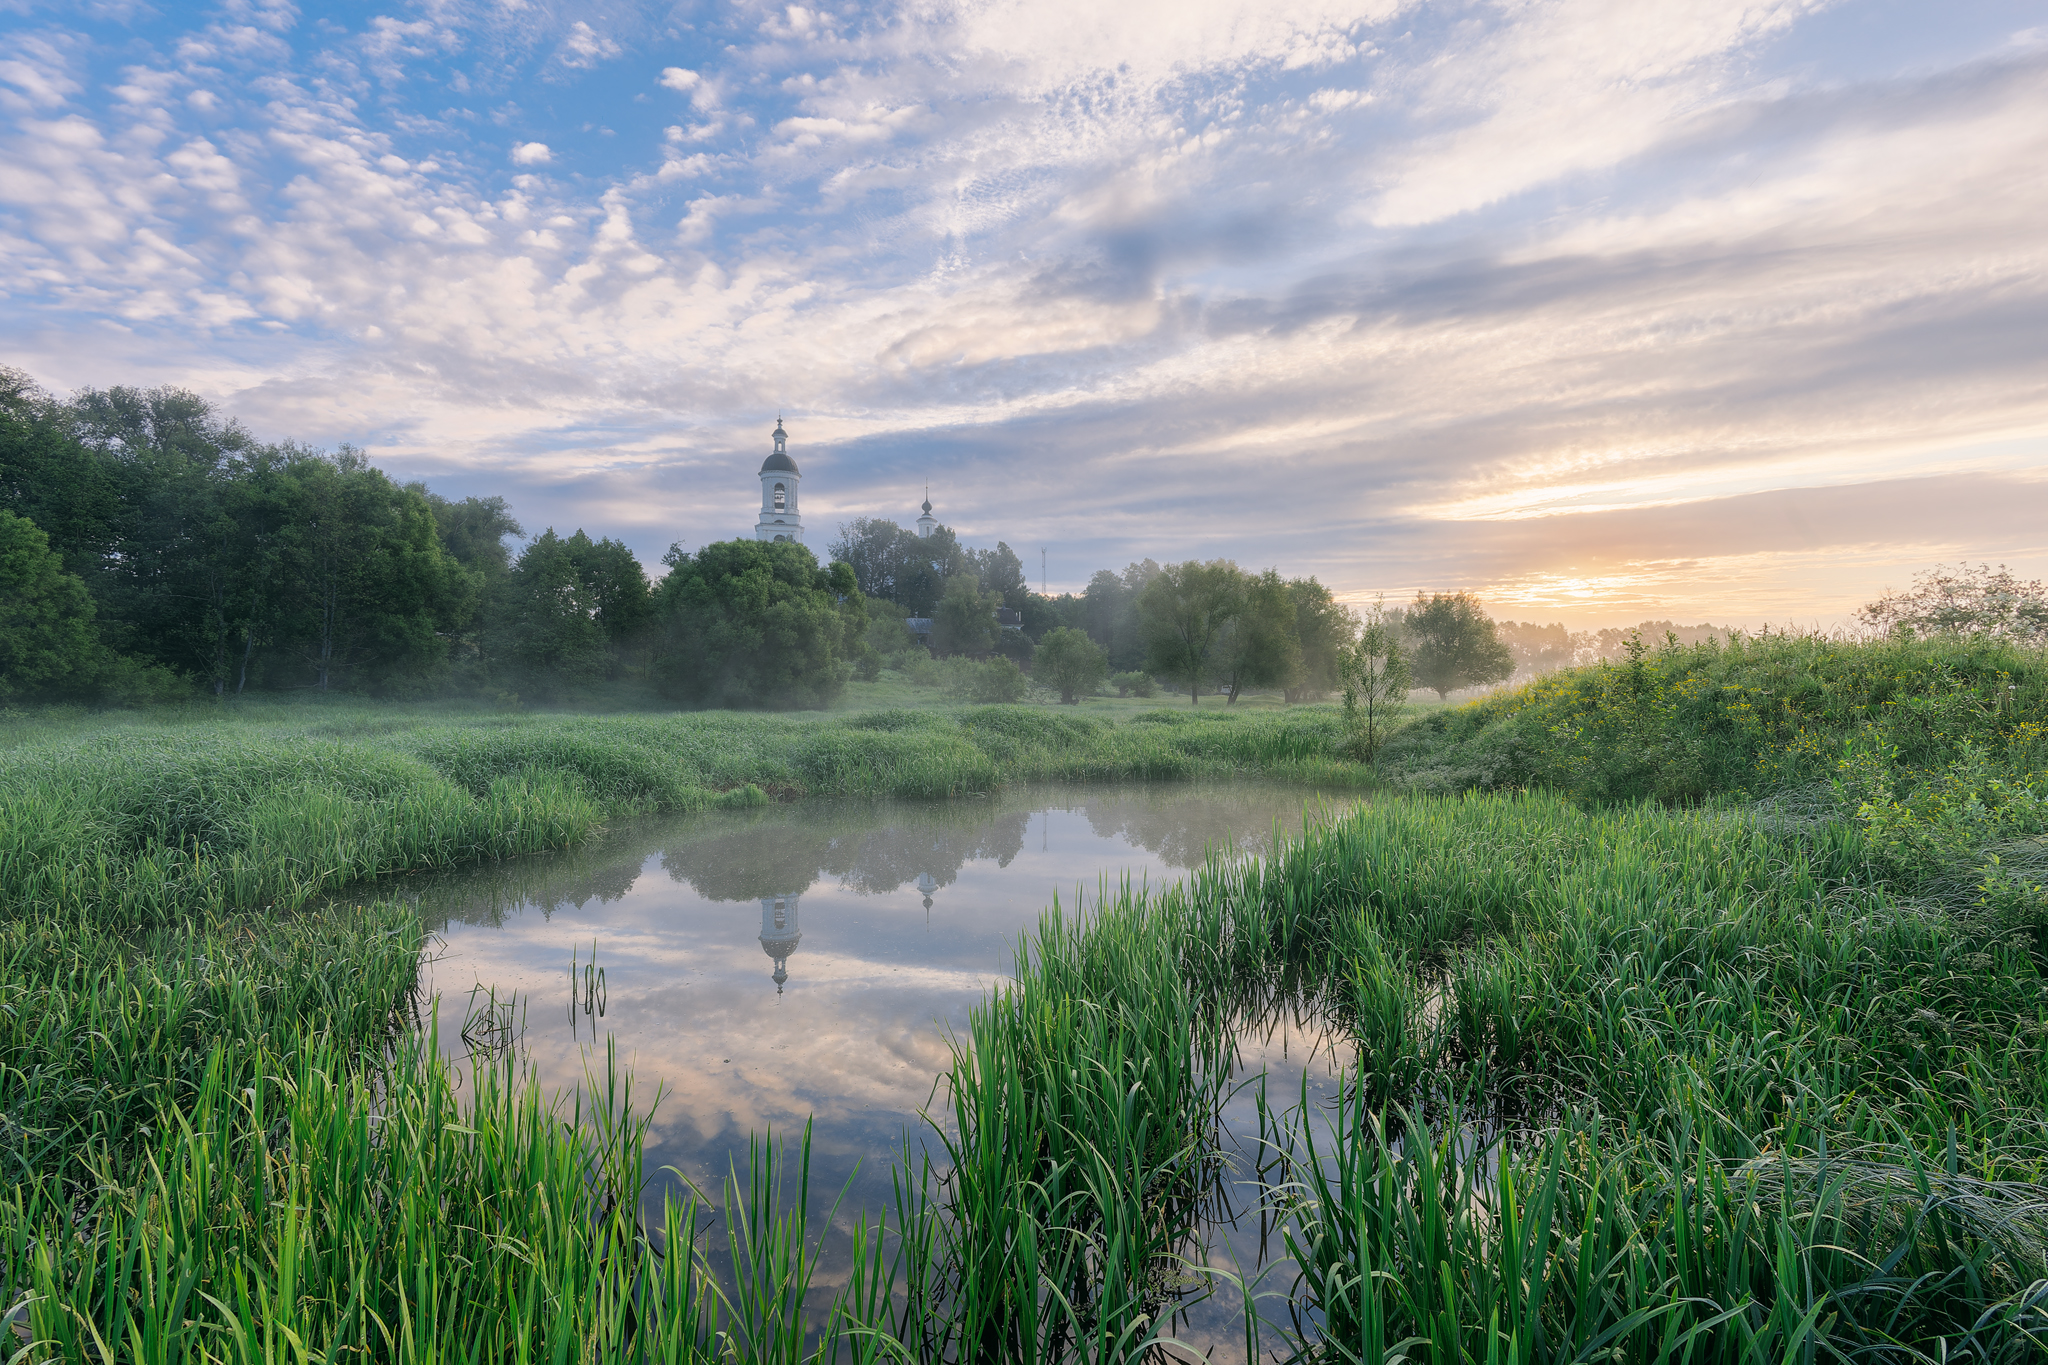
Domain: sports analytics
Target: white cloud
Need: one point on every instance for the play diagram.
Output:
(585, 47)
(35, 71)
(1186, 258)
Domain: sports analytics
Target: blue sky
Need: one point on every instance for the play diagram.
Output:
(1603, 309)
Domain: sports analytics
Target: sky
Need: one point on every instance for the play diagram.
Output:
(1602, 309)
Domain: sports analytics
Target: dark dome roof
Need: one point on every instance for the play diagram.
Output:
(779, 463)
(927, 504)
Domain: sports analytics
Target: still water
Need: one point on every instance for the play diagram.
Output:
(808, 962)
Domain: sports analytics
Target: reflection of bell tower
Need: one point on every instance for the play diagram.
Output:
(926, 886)
(779, 933)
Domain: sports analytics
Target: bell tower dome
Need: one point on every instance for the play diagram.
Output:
(779, 480)
(779, 934)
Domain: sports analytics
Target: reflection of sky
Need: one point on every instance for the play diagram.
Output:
(673, 914)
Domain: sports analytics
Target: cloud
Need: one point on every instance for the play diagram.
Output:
(1371, 291)
(584, 47)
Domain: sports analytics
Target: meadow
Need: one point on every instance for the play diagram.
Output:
(1699, 999)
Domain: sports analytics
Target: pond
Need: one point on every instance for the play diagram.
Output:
(808, 962)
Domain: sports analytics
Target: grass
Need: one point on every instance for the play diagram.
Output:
(1753, 1070)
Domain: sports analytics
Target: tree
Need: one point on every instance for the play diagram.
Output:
(473, 531)
(964, 621)
(1109, 612)
(1256, 646)
(1070, 661)
(546, 626)
(1001, 573)
(1181, 612)
(898, 565)
(1540, 649)
(1964, 601)
(47, 642)
(1376, 682)
(1323, 631)
(754, 624)
(1454, 643)
(358, 586)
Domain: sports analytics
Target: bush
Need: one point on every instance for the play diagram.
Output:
(994, 682)
(1134, 685)
(1071, 662)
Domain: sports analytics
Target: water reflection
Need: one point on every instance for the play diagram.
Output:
(808, 961)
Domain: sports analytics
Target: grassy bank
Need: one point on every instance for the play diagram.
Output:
(1756, 1074)
(144, 822)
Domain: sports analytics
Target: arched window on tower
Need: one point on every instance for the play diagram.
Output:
(781, 499)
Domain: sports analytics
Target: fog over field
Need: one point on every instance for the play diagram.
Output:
(1604, 310)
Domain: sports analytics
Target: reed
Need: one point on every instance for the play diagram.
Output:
(1687, 1082)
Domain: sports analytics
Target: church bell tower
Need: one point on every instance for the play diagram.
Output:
(779, 480)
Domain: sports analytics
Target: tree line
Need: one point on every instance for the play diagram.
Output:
(150, 550)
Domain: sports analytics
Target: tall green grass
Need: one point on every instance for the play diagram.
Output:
(143, 824)
(1681, 1082)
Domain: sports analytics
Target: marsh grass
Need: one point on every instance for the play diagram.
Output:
(1636, 1082)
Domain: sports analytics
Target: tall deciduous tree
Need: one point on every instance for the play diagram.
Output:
(1182, 612)
(47, 643)
(546, 633)
(964, 621)
(752, 624)
(1323, 630)
(1256, 646)
(1454, 643)
(1070, 661)
(1109, 612)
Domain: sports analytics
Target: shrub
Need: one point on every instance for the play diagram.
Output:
(1071, 662)
(994, 682)
(1134, 684)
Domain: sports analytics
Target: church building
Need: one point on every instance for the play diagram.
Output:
(779, 478)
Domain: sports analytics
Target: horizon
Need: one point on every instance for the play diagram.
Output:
(1604, 315)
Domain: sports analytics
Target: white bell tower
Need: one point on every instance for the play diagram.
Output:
(779, 934)
(779, 480)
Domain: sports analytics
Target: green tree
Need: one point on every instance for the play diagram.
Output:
(751, 624)
(1001, 573)
(964, 621)
(886, 638)
(1324, 630)
(1375, 678)
(1108, 611)
(473, 531)
(1256, 646)
(1454, 643)
(363, 593)
(1182, 611)
(47, 643)
(546, 631)
(1068, 660)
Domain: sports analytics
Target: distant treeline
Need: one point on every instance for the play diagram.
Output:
(151, 551)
